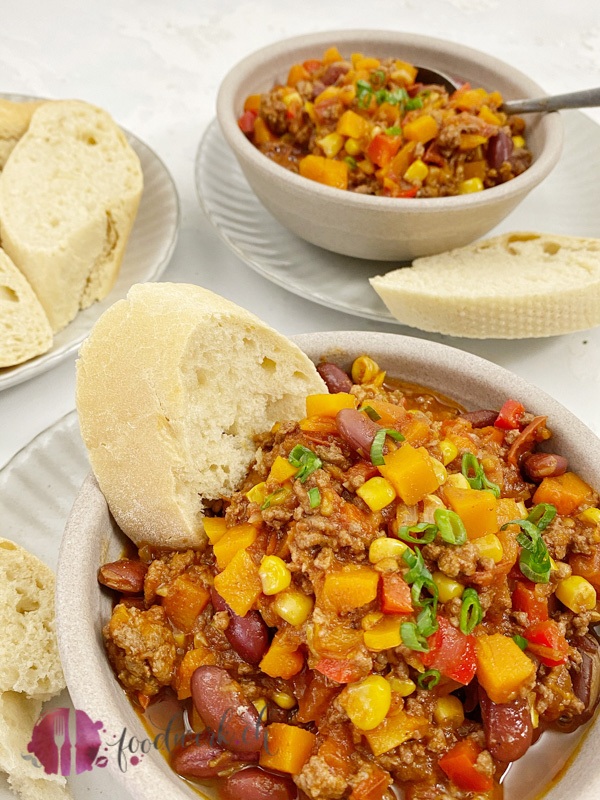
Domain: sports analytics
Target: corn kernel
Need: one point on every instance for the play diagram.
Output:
(576, 593)
(489, 546)
(260, 704)
(417, 172)
(367, 702)
(370, 620)
(458, 480)
(293, 607)
(447, 587)
(449, 712)
(310, 110)
(590, 516)
(327, 506)
(366, 166)
(553, 565)
(440, 471)
(291, 98)
(364, 370)
(163, 590)
(470, 186)
(353, 147)
(518, 141)
(258, 493)
(274, 575)
(179, 638)
(331, 144)
(214, 528)
(377, 493)
(385, 547)
(449, 451)
(402, 686)
(284, 700)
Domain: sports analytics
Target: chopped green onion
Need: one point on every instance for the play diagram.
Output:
(471, 612)
(314, 497)
(412, 639)
(412, 103)
(419, 577)
(379, 74)
(364, 92)
(427, 529)
(377, 458)
(450, 526)
(521, 641)
(351, 162)
(305, 460)
(542, 515)
(395, 130)
(394, 98)
(478, 480)
(429, 679)
(427, 623)
(534, 560)
(371, 413)
(269, 499)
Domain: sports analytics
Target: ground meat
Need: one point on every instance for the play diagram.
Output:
(274, 111)
(454, 561)
(554, 695)
(164, 569)
(558, 537)
(320, 781)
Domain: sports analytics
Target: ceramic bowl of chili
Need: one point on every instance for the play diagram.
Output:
(92, 539)
(388, 228)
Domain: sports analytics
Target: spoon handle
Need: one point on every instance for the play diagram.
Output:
(588, 98)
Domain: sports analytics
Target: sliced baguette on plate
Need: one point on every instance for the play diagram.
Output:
(14, 121)
(69, 194)
(513, 286)
(172, 385)
(24, 328)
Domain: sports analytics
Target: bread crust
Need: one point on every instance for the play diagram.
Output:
(172, 385)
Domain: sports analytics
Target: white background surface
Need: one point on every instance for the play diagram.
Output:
(156, 65)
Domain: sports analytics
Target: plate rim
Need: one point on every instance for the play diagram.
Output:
(19, 373)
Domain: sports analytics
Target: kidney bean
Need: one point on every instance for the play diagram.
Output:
(125, 576)
(499, 149)
(480, 419)
(256, 784)
(357, 429)
(586, 680)
(223, 708)
(334, 377)
(249, 635)
(534, 432)
(537, 466)
(333, 72)
(202, 757)
(507, 726)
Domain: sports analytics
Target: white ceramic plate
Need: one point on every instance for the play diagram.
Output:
(148, 252)
(566, 202)
(37, 489)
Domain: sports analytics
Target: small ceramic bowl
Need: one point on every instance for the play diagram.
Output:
(91, 539)
(372, 227)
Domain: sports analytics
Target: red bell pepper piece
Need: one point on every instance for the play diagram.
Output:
(395, 594)
(459, 765)
(510, 414)
(383, 148)
(374, 786)
(312, 65)
(451, 652)
(545, 640)
(341, 670)
(246, 122)
(525, 598)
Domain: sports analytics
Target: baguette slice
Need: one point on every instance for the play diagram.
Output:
(69, 194)
(14, 121)
(172, 385)
(512, 286)
(29, 660)
(24, 328)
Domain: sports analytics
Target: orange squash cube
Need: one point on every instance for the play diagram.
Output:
(281, 470)
(281, 662)
(567, 492)
(328, 405)
(214, 528)
(411, 473)
(477, 508)
(323, 170)
(502, 667)
(350, 588)
(287, 748)
(198, 657)
(235, 539)
(239, 584)
(394, 731)
(184, 601)
(422, 129)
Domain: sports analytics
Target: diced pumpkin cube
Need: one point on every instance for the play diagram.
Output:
(281, 470)
(298, 72)
(507, 510)
(487, 115)
(252, 103)
(237, 538)
(385, 634)
(198, 657)
(331, 55)
(239, 584)
(469, 141)
(287, 748)
(411, 473)
(377, 493)
(350, 588)
(320, 425)
(328, 405)
(422, 129)
(502, 667)
(470, 99)
(214, 528)
(324, 170)
(281, 662)
(566, 492)
(394, 731)
(262, 134)
(476, 508)
(406, 72)
(587, 566)
(353, 125)
(184, 601)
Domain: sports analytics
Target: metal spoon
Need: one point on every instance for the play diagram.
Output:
(588, 98)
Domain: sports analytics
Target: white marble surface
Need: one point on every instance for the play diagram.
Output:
(155, 66)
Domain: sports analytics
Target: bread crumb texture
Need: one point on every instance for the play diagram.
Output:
(69, 194)
(24, 328)
(172, 385)
(516, 285)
